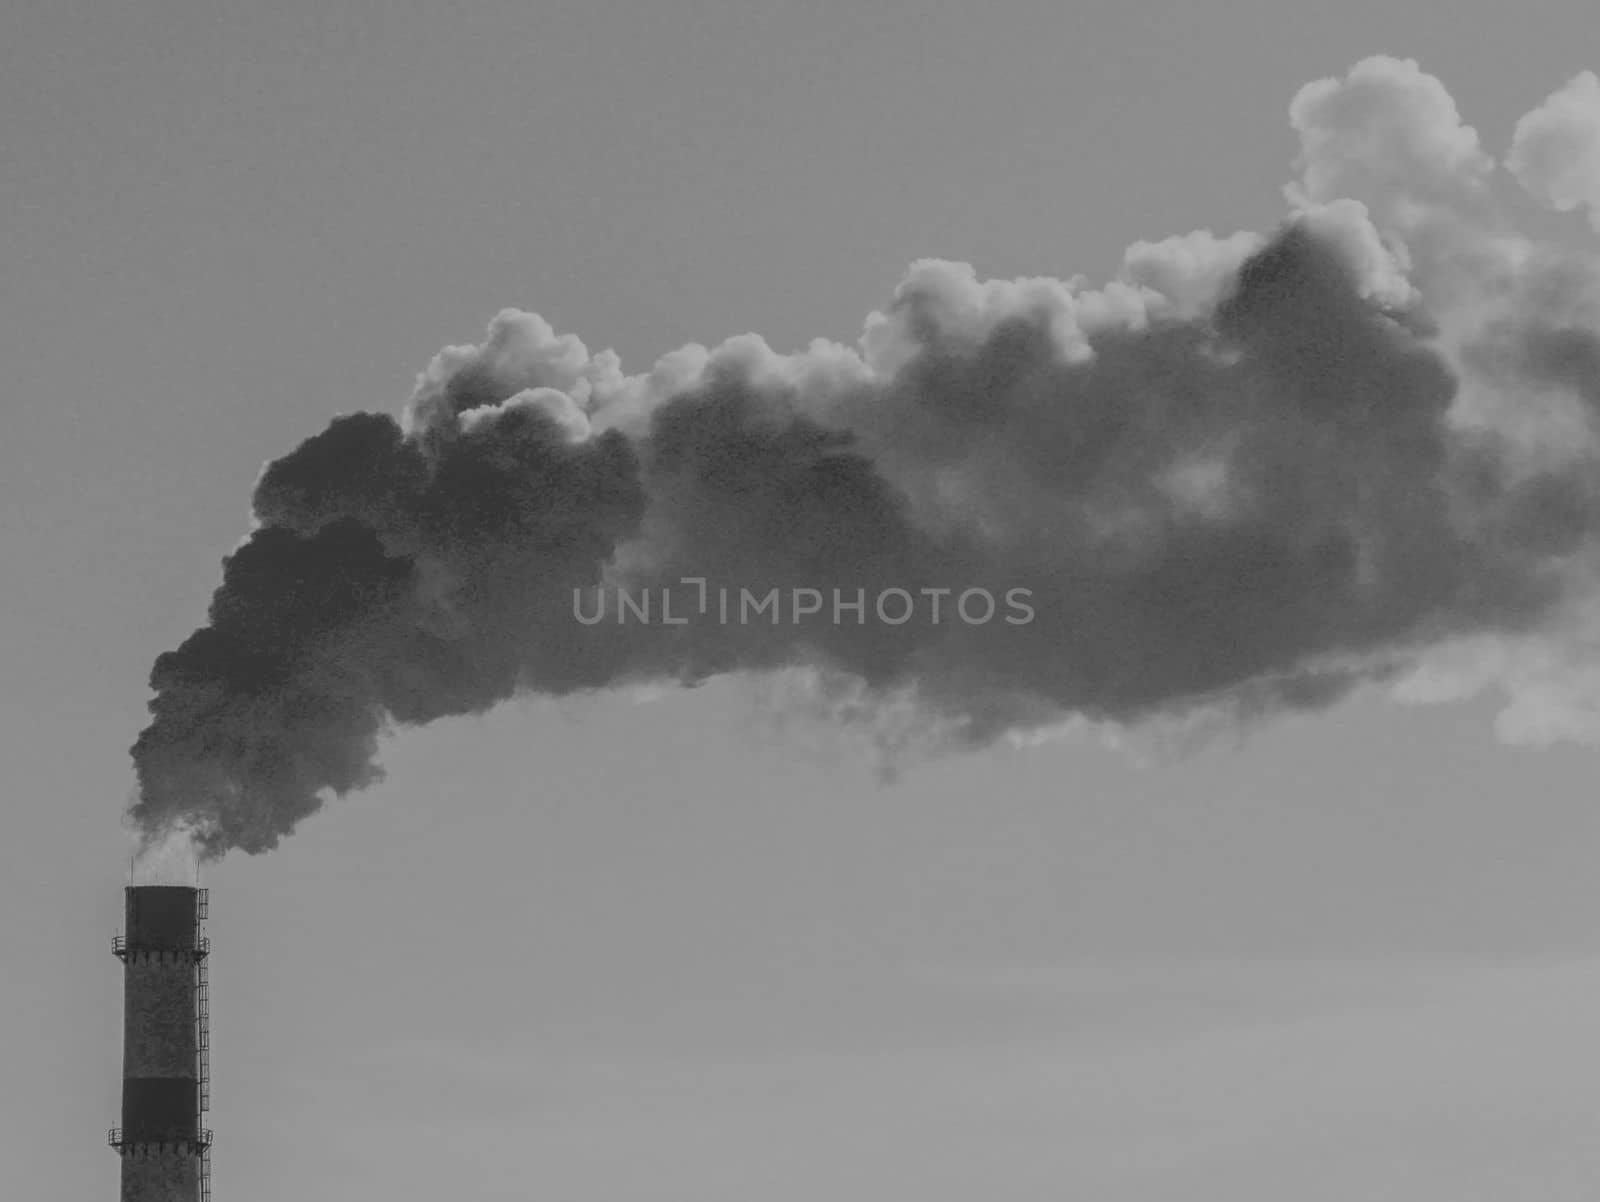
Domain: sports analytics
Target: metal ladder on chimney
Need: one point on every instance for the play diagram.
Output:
(202, 1041)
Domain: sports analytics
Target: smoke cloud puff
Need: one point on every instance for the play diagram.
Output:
(1387, 131)
(1555, 151)
(1247, 475)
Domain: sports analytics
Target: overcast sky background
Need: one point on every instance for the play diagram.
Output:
(685, 951)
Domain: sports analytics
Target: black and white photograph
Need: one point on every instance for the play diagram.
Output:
(741, 601)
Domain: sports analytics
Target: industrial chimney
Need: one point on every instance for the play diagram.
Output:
(165, 1149)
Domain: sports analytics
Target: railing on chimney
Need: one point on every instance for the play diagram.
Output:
(199, 949)
(199, 1143)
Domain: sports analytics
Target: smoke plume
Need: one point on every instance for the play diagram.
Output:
(1248, 474)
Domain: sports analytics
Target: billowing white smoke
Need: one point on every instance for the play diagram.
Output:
(1555, 153)
(1248, 474)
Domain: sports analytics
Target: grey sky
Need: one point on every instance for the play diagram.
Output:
(689, 948)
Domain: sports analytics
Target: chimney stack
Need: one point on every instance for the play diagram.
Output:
(164, 1146)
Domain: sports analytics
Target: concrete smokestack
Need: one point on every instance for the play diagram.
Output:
(165, 1148)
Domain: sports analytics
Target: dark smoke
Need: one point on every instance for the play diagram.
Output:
(1243, 478)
